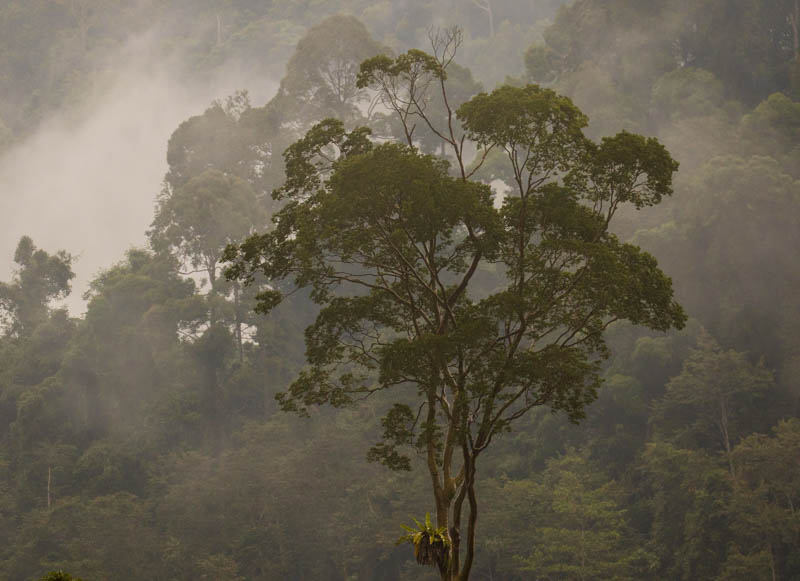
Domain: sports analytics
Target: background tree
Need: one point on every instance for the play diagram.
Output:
(709, 34)
(231, 137)
(683, 507)
(197, 220)
(581, 531)
(773, 129)
(728, 251)
(715, 389)
(39, 279)
(320, 78)
(136, 310)
(766, 520)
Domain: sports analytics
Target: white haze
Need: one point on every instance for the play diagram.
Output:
(87, 184)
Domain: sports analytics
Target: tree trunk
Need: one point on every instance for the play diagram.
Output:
(449, 510)
(772, 564)
(238, 321)
(723, 426)
(469, 483)
(449, 496)
(486, 6)
(211, 270)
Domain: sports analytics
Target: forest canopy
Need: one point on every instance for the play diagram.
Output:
(143, 439)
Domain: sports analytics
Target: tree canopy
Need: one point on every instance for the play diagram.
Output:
(39, 279)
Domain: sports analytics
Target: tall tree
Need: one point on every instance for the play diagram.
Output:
(321, 76)
(389, 242)
(39, 279)
(197, 220)
(231, 137)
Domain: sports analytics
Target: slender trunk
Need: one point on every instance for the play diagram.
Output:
(459, 570)
(443, 520)
(486, 6)
(49, 473)
(449, 498)
(469, 482)
(583, 548)
(455, 531)
(218, 430)
(238, 321)
(211, 270)
(794, 516)
(723, 426)
(439, 492)
(772, 564)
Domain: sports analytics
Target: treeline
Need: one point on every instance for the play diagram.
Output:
(56, 54)
(143, 441)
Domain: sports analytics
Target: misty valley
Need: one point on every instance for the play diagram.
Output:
(397, 290)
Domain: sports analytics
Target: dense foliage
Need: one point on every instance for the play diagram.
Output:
(143, 440)
(390, 244)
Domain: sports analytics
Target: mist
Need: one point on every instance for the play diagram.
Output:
(86, 180)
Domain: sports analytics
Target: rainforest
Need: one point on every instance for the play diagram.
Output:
(397, 290)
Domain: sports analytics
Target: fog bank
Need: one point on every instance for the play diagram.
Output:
(87, 183)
